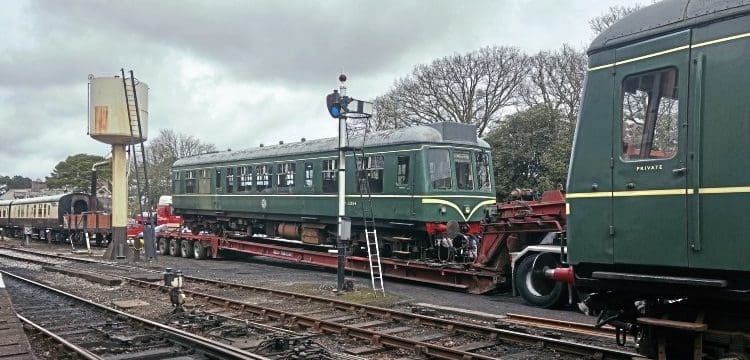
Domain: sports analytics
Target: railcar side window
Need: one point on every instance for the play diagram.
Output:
(308, 175)
(245, 181)
(464, 171)
(330, 183)
(649, 115)
(439, 162)
(285, 175)
(218, 179)
(190, 182)
(204, 181)
(230, 179)
(371, 174)
(483, 171)
(402, 170)
(262, 177)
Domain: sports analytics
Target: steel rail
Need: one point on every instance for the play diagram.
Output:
(213, 347)
(373, 336)
(561, 325)
(396, 341)
(75, 348)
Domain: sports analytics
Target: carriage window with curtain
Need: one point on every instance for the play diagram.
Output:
(649, 115)
(439, 166)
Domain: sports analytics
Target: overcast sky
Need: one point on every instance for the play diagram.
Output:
(238, 73)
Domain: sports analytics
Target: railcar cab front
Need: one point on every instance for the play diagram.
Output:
(659, 178)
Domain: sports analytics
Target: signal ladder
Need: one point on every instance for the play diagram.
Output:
(371, 233)
(137, 150)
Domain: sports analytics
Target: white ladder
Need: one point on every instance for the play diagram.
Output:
(373, 255)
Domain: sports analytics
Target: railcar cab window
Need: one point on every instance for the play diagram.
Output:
(483, 171)
(649, 115)
(309, 175)
(464, 170)
(285, 175)
(439, 162)
(330, 182)
(230, 179)
(245, 181)
(370, 174)
(190, 181)
(402, 170)
(262, 177)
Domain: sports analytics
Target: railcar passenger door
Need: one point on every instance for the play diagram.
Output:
(403, 185)
(218, 188)
(650, 151)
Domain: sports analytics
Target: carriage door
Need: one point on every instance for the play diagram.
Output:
(649, 152)
(403, 188)
(218, 187)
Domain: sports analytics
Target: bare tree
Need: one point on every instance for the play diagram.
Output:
(604, 21)
(556, 80)
(162, 151)
(470, 88)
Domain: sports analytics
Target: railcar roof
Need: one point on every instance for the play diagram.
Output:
(414, 134)
(38, 199)
(666, 16)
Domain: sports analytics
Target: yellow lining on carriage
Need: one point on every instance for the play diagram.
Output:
(664, 52)
(456, 207)
(713, 190)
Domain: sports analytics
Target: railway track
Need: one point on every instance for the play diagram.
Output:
(380, 329)
(94, 331)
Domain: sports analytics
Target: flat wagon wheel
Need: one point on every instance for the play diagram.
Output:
(534, 287)
(174, 247)
(163, 246)
(200, 252)
(186, 248)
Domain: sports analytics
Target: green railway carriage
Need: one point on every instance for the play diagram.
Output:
(419, 178)
(659, 181)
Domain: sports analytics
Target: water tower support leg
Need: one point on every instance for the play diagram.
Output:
(119, 203)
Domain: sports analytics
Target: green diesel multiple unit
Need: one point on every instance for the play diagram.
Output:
(419, 178)
(659, 181)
